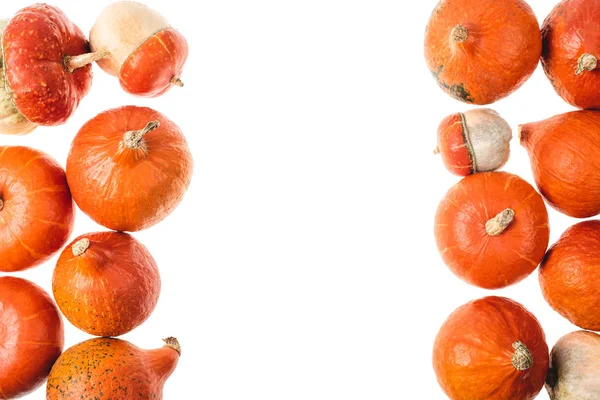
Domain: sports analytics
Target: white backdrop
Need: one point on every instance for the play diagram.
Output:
(302, 263)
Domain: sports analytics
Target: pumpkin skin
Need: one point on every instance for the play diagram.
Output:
(126, 172)
(492, 229)
(574, 367)
(31, 338)
(36, 211)
(569, 275)
(493, 349)
(571, 44)
(475, 141)
(106, 283)
(482, 50)
(146, 54)
(105, 368)
(44, 91)
(563, 152)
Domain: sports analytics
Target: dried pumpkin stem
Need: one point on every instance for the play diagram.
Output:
(1, 204)
(436, 151)
(459, 34)
(500, 222)
(133, 139)
(177, 81)
(173, 343)
(587, 62)
(74, 62)
(521, 358)
(80, 246)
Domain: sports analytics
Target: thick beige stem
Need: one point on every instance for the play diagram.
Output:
(80, 246)
(459, 34)
(436, 151)
(500, 222)
(176, 81)
(133, 139)
(521, 358)
(74, 62)
(173, 343)
(587, 62)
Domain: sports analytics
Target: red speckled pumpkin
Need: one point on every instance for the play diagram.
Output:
(492, 349)
(145, 53)
(492, 229)
(44, 77)
(36, 209)
(31, 336)
(480, 51)
(128, 168)
(112, 369)
(106, 283)
(571, 45)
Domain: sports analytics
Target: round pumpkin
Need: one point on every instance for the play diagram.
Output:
(129, 168)
(492, 229)
(492, 349)
(106, 283)
(31, 336)
(480, 51)
(570, 275)
(571, 45)
(36, 209)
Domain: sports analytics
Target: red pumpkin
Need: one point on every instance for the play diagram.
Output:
(31, 336)
(44, 77)
(492, 349)
(480, 51)
(145, 53)
(36, 209)
(571, 45)
(492, 229)
(570, 276)
(106, 283)
(564, 158)
(112, 369)
(128, 168)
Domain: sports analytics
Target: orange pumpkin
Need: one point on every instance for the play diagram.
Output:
(31, 336)
(492, 229)
(480, 51)
(129, 168)
(492, 349)
(106, 283)
(36, 209)
(570, 276)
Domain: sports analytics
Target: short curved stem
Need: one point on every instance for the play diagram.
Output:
(587, 62)
(498, 224)
(173, 343)
(74, 62)
(177, 81)
(459, 34)
(80, 246)
(133, 139)
(521, 359)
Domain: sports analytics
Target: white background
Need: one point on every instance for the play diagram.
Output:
(302, 263)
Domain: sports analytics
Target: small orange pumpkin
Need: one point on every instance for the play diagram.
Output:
(480, 51)
(492, 229)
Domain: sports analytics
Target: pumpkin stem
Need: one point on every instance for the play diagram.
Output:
(80, 246)
(177, 82)
(498, 224)
(436, 151)
(133, 139)
(587, 62)
(173, 343)
(459, 34)
(1, 204)
(74, 62)
(522, 358)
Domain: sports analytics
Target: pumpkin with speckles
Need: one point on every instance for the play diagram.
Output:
(105, 368)
(31, 336)
(480, 51)
(106, 283)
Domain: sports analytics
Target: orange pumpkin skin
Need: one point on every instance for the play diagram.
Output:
(471, 245)
(129, 187)
(570, 275)
(105, 368)
(31, 338)
(481, 51)
(570, 34)
(106, 283)
(564, 159)
(36, 210)
(492, 349)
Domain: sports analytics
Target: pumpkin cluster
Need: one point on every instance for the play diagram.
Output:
(128, 168)
(492, 228)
